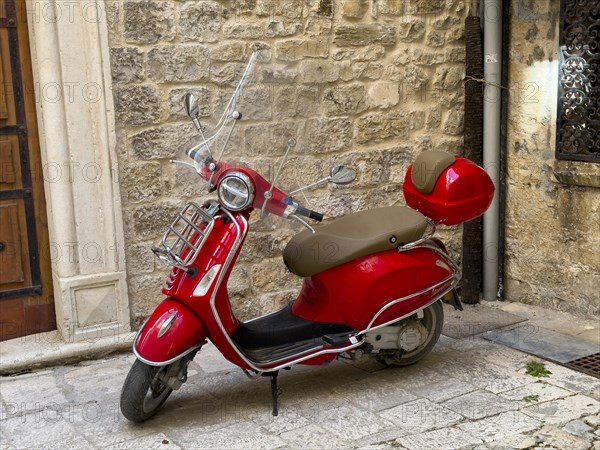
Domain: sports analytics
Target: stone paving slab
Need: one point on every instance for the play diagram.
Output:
(444, 438)
(468, 393)
(545, 343)
(444, 390)
(514, 441)
(373, 395)
(538, 392)
(572, 380)
(350, 422)
(476, 319)
(563, 410)
(559, 438)
(156, 441)
(237, 436)
(313, 436)
(500, 427)
(421, 415)
(479, 404)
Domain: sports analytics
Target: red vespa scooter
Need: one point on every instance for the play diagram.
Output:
(373, 280)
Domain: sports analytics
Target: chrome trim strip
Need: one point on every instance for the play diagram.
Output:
(418, 242)
(167, 324)
(170, 361)
(408, 297)
(314, 355)
(385, 324)
(224, 269)
(456, 276)
(139, 333)
(164, 363)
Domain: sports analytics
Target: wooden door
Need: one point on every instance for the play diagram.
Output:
(26, 298)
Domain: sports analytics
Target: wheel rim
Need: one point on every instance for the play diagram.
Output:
(429, 321)
(157, 392)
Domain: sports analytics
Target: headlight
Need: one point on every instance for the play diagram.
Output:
(236, 191)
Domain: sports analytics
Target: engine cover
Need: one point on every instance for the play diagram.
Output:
(406, 335)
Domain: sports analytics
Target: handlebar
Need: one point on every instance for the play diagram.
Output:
(309, 213)
(299, 209)
(302, 211)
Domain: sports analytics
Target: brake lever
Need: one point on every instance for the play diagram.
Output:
(303, 222)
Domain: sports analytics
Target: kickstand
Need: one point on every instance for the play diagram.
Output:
(274, 392)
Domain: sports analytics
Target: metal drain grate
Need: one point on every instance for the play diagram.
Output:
(588, 364)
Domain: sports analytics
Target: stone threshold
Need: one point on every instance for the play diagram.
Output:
(37, 351)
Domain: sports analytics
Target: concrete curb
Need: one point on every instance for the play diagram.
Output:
(49, 349)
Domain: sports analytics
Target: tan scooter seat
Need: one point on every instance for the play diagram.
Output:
(352, 237)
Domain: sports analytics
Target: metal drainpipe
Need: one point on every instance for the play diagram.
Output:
(492, 72)
(503, 145)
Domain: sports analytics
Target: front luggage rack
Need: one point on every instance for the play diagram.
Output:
(186, 235)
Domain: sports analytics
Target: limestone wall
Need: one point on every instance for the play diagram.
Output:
(379, 82)
(553, 207)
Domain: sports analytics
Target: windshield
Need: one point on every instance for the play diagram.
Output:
(216, 137)
(256, 122)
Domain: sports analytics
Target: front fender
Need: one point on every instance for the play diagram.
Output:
(171, 332)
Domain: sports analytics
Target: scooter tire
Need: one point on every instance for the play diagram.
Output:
(143, 393)
(436, 313)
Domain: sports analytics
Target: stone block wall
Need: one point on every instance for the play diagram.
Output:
(377, 81)
(553, 207)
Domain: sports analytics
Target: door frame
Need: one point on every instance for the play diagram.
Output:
(91, 298)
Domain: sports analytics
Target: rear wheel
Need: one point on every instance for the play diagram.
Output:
(144, 391)
(418, 334)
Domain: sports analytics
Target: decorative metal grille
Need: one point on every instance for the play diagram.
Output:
(578, 127)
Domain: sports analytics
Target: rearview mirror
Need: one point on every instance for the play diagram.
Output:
(342, 175)
(191, 106)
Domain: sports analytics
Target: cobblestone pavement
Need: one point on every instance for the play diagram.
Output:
(467, 393)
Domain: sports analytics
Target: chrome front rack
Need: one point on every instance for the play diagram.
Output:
(186, 235)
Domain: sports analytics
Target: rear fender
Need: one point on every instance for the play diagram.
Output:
(171, 332)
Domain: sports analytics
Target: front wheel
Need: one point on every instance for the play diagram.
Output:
(417, 335)
(144, 391)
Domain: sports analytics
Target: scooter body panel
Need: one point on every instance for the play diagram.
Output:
(354, 293)
(170, 332)
(212, 266)
(214, 262)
